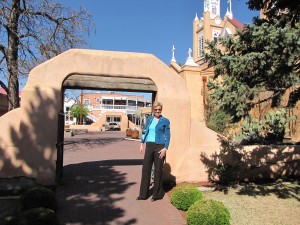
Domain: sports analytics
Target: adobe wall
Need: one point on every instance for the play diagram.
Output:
(29, 133)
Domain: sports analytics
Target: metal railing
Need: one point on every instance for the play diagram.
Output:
(120, 108)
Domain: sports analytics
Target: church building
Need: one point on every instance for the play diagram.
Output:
(195, 71)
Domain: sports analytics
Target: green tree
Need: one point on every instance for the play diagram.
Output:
(263, 57)
(75, 111)
(285, 11)
(32, 31)
(216, 118)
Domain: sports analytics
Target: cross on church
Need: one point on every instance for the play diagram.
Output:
(229, 1)
(173, 54)
(190, 52)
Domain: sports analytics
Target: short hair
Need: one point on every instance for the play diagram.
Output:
(155, 104)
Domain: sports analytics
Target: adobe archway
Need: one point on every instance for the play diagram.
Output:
(29, 133)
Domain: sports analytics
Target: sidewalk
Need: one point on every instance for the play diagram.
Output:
(101, 182)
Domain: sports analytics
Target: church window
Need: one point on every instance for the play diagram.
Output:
(213, 10)
(200, 44)
(216, 35)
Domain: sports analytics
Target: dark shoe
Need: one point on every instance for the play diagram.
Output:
(140, 198)
(155, 199)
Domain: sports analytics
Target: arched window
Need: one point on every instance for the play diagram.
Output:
(200, 44)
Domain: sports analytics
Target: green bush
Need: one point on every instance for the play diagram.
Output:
(208, 212)
(14, 220)
(268, 130)
(38, 216)
(276, 124)
(250, 132)
(38, 197)
(184, 196)
(218, 120)
(230, 163)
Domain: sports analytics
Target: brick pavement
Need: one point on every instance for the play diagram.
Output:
(101, 182)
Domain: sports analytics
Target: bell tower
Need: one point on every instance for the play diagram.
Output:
(212, 6)
(208, 27)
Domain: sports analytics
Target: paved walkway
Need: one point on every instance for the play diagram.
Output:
(101, 182)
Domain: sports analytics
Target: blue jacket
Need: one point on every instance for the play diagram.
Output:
(162, 131)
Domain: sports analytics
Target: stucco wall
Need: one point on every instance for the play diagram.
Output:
(29, 133)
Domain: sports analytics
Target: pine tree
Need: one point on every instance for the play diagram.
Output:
(263, 57)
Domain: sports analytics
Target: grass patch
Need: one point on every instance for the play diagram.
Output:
(271, 204)
(257, 204)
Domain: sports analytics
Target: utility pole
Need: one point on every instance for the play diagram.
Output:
(81, 105)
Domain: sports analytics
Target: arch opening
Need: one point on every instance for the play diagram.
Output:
(123, 101)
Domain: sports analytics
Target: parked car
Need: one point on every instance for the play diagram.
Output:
(112, 126)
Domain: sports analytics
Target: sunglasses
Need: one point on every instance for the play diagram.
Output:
(157, 110)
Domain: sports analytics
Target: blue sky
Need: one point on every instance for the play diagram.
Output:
(152, 26)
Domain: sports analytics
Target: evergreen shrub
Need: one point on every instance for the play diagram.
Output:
(12, 220)
(218, 120)
(38, 197)
(38, 216)
(268, 130)
(184, 196)
(208, 212)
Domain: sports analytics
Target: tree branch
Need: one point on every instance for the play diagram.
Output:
(3, 50)
(49, 17)
(1, 60)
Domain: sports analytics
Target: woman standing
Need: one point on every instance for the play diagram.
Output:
(156, 135)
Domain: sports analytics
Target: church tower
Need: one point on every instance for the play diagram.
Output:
(195, 71)
(212, 6)
(211, 27)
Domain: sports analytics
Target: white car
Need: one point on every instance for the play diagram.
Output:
(112, 126)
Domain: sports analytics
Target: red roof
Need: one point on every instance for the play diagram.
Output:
(2, 91)
(236, 23)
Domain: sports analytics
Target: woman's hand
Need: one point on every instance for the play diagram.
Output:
(142, 148)
(162, 153)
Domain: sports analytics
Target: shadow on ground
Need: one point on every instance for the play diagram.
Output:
(76, 143)
(93, 188)
(281, 190)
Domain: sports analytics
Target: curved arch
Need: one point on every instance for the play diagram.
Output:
(109, 83)
(30, 132)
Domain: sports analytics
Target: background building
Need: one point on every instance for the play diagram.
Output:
(112, 107)
(195, 70)
(3, 102)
